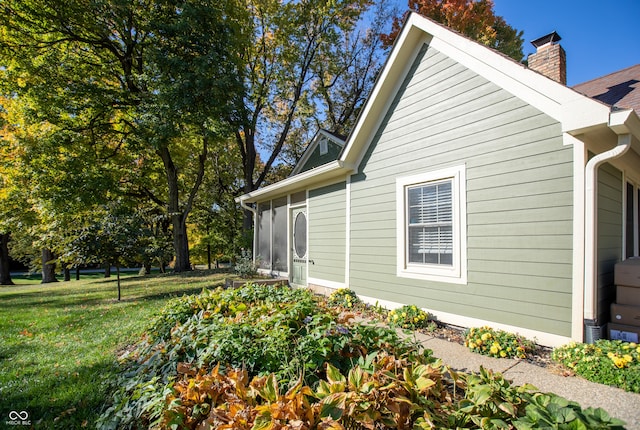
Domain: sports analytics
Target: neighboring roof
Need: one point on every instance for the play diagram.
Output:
(620, 89)
(336, 138)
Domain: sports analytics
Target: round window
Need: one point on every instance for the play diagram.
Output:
(300, 235)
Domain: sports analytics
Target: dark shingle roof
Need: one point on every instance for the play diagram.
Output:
(620, 89)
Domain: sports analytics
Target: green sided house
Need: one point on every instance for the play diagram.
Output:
(471, 186)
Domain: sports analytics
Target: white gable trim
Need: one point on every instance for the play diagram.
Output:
(312, 146)
(573, 110)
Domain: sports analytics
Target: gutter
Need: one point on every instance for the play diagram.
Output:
(245, 206)
(621, 123)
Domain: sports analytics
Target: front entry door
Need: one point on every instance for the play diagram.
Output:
(299, 247)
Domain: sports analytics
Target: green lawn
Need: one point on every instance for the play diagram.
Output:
(58, 342)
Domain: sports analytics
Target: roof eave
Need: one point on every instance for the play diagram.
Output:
(327, 172)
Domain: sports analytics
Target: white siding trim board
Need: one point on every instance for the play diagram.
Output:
(542, 338)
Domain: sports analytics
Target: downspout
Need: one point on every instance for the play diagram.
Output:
(616, 122)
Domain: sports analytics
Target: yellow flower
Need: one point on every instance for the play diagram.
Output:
(633, 344)
(472, 345)
(479, 342)
(404, 314)
(416, 319)
(486, 336)
(493, 349)
(628, 358)
(503, 354)
(395, 317)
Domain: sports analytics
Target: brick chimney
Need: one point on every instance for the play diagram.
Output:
(549, 58)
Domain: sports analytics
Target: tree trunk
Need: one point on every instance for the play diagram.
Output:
(178, 216)
(180, 244)
(209, 256)
(77, 273)
(147, 268)
(48, 266)
(118, 272)
(5, 270)
(67, 274)
(107, 270)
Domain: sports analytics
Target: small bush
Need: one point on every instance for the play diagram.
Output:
(245, 266)
(344, 297)
(609, 362)
(408, 316)
(497, 343)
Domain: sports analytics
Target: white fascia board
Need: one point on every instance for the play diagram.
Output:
(576, 112)
(572, 109)
(386, 87)
(334, 170)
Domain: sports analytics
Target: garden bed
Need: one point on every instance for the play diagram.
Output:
(262, 356)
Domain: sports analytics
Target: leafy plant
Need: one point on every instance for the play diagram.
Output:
(262, 329)
(344, 297)
(381, 392)
(551, 411)
(245, 267)
(408, 316)
(609, 362)
(498, 343)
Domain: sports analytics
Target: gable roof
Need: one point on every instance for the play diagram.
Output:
(619, 89)
(576, 112)
(306, 155)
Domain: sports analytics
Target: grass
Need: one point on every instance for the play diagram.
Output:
(59, 341)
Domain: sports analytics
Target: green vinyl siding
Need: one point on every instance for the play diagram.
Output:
(519, 192)
(609, 235)
(327, 232)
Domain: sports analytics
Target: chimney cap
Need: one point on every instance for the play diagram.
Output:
(549, 38)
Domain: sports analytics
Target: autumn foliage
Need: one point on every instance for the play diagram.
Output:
(473, 18)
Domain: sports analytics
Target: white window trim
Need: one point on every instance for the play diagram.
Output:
(457, 273)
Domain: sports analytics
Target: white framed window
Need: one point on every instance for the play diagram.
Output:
(431, 226)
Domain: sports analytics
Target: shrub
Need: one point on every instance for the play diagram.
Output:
(408, 316)
(262, 329)
(498, 343)
(609, 362)
(344, 297)
(381, 392)
(245, 266)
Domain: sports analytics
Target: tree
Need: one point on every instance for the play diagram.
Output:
(114, 237)
(298, 48)
(149, 78)
(473, 18)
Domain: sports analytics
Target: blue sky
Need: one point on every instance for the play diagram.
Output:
(600, 37)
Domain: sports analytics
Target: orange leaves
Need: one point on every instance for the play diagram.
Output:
(473, 18)
(391, 392)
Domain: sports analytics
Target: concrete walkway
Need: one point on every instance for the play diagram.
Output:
(618, 403)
